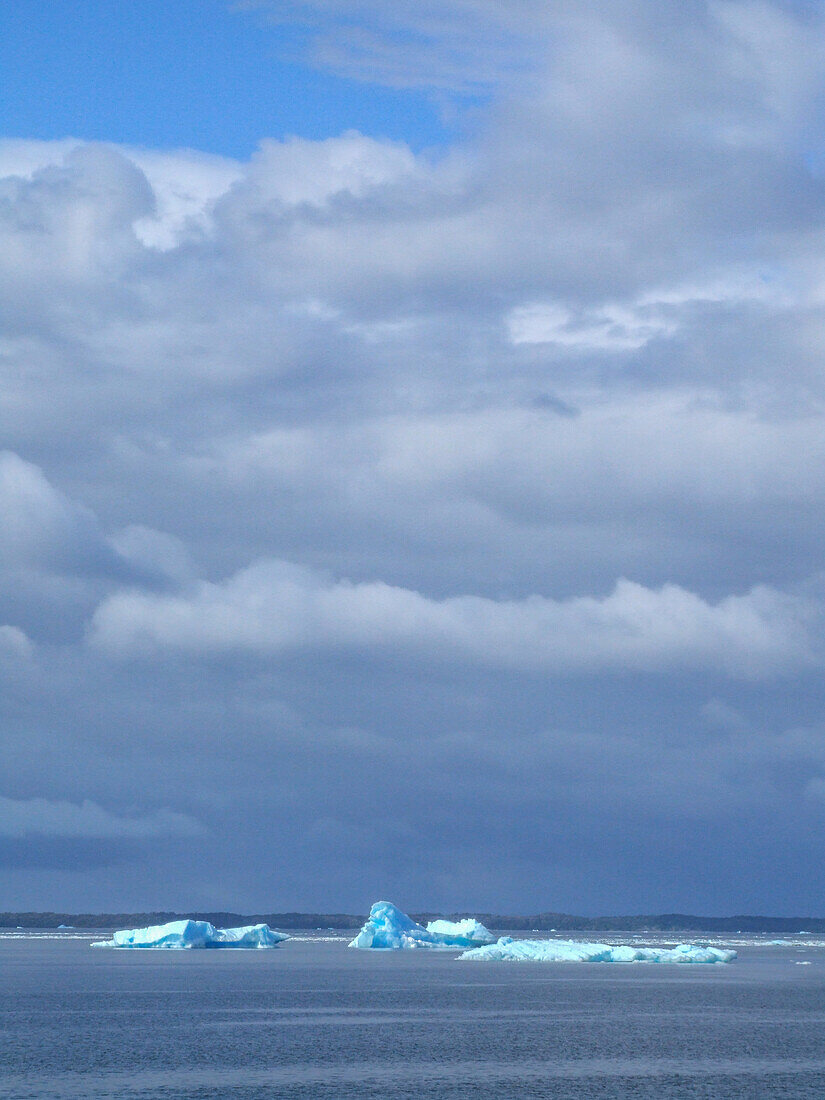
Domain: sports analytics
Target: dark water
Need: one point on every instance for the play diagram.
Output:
(316, 1020)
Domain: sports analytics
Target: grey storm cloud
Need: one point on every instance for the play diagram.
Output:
(484, 483)
(41, 817)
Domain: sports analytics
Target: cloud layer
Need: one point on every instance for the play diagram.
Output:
(87, 820)
(476, 490)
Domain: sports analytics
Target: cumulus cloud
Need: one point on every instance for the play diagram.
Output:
(56, 561)
(274, 606)
(87, 820)
(14, 644)
(296, 172)
(185, 187)
(43, 526)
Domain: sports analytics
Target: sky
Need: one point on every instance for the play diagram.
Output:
(412, 456)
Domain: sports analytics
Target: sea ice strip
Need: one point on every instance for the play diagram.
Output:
(571, 951)
(390, 929)
(194, 933)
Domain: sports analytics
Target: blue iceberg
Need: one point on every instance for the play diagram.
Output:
(460, 933)
(512, 950)
(390, 929)
(184, 934)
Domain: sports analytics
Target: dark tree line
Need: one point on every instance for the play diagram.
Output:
(542, 922)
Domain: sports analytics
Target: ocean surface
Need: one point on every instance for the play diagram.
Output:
(313, 1019)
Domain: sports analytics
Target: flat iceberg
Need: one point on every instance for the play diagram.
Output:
(571, 951)
(181, 934)
(389, 929)
(461, 933)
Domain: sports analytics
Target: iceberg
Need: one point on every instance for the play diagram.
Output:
(182, 934)
(512, 950)
(460, 933)
(389, 929)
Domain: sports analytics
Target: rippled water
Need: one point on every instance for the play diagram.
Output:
(313, 1019)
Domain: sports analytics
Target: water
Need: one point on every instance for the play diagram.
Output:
(313, 1019)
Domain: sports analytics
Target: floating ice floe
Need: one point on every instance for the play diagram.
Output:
(390, 929)
(194, 933)
(460, 933)
(571, 951)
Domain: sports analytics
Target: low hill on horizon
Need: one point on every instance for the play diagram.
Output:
(542, 922)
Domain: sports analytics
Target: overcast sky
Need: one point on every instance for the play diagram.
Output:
(412, 473)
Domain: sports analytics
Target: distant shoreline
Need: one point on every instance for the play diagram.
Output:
(542, 922)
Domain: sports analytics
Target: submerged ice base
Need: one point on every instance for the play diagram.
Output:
(180, 934)
(389, 929)
(511, 950)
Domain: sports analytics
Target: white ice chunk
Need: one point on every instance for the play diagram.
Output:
(389, 929)
(194, 933)
(460, 933)
(572, 951)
